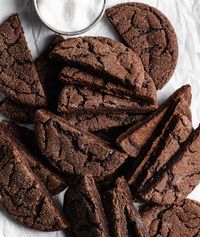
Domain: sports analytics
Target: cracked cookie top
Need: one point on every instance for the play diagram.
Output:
(18, 76)
(74, 151)
(104, 57)
(75, 76)
(174, 220)
(23, 196)
(151, 36)
(80, 99)
(84, 209)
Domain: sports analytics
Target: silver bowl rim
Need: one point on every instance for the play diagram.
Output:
(71, 33)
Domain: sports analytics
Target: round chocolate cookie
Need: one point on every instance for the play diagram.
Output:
(150, 34)
(182, 220)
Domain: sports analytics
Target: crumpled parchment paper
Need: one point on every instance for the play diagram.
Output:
(185, 17)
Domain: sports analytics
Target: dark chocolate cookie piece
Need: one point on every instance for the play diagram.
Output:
(23, 196)
(108, 126)
(105, 122)
(48, 71)
(136, 137)
(163, 148)
(178, 177)
(83, 208)
(72, 150)
(122, 215)
(105, 57)
(151, 36)
(18, 76)
(18, 112)
(75, 76)
(79, 99)
(182, 220)
(164, 127)
(23, 139)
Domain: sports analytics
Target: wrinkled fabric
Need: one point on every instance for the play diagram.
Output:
(184, 16)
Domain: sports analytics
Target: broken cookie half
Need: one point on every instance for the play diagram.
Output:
(23, 139)
(74, 151)
(84, 209)
(149, 33)
(102, 213)
(122, 215)
(19, 80)
(178, 177)
(23, 195)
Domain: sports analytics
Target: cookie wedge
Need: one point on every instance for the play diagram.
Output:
(23, 196)
(19, 80)
(74, 151)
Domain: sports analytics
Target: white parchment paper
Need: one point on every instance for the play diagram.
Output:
(185, 17)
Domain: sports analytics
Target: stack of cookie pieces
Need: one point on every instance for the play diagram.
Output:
(99, 130)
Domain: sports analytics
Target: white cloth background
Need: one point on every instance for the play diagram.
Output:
(185, 17)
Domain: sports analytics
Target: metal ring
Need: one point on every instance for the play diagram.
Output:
(71, 33)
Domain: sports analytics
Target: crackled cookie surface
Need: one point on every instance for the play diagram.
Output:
(18, 76)
(103, 56)
(151, 36)
(22, 194)
(182, 220)
(74, 151)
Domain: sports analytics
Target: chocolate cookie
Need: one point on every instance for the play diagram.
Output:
(75, 76)
(96, 122)
(18, 77)
(136, 137)
(105, 57)
(23, 139)
(18, 112)
(83, 208)
(48, 71)
(156, 136)
(23, 196)
(79, 99)
(107, 126)
(122, 215)
(151, 36)
(178, 177)
(74, 151)
(182, 220)
(158, 153)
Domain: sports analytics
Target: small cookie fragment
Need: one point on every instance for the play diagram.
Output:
(23, 139)
(179, 220)
(103, 56)
(74, 151)
(23, 196)
(122, 215)
(80, 99)
(19, 80)
(136, 137)
(83, 208)
(149, 33)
